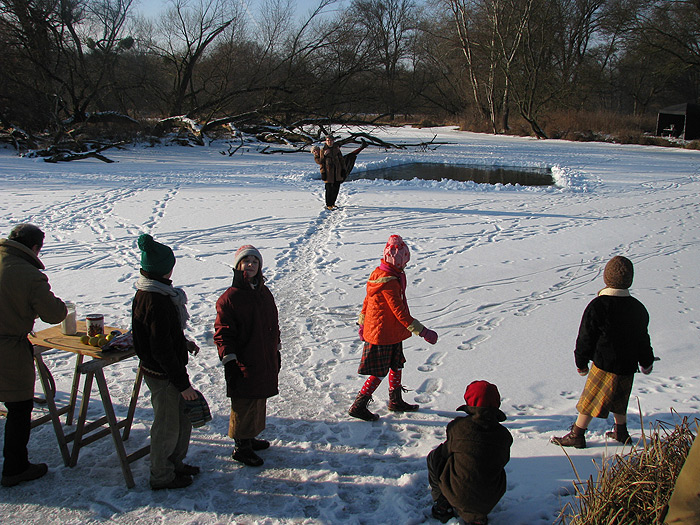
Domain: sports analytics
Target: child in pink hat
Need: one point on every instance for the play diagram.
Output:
(384, 323)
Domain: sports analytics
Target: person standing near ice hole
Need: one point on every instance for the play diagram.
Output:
(385, 322)
(247, 337)
(335, 167)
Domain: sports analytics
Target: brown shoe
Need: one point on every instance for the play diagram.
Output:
(396, 402)
(619, 434)
(575, 438)
(359, 408)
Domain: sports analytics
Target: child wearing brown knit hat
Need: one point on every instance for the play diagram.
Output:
(614, 335)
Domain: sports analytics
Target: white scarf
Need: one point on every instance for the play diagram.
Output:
(614, 292)
(177, 295)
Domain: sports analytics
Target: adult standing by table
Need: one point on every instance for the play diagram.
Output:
(25, 294)
(159, 315)
(335, 167)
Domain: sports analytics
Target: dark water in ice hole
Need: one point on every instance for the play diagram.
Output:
(463, 173)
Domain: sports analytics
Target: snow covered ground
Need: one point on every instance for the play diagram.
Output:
(502, 273)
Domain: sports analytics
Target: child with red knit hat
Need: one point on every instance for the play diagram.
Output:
(467, 472)
(384, 323)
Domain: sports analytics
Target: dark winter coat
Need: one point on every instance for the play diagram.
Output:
(25, 294)
(477, 450)
(159, 339)
(332, 164)
(247, 326)
(613, 334)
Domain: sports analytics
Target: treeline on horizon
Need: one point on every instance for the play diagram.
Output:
(485, 64)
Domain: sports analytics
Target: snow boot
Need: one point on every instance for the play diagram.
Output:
(575, 438)
(442, 510)
(260, 444)
(359, 408)
(397, 404)
(620, 434)
(243, 453)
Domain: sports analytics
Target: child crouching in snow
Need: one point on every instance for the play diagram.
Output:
(384, 323)
(613, 334)
(467, 471)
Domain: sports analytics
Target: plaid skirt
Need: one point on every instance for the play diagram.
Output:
(605, 392)
(377, 359)
(247, 418)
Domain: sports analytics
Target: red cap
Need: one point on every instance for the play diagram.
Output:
(482, 394)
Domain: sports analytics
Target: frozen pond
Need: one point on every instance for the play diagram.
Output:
(460, 172)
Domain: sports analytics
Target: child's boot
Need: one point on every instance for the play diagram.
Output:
(575, 438)
(359, 408)
(244, 453)
(619, 434)
(396, 402)
(442, 510)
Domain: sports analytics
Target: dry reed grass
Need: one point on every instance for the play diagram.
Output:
(634, 488)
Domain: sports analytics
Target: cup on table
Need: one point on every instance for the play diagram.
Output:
(69, 325)
(95, 324)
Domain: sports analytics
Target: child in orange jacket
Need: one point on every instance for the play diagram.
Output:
(384, 323)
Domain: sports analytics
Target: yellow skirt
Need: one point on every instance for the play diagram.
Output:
(605, 392)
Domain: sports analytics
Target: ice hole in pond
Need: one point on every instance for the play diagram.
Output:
(481, 174)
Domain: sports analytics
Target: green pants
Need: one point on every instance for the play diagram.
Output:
(170, 431)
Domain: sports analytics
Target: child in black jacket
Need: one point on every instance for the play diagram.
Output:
(613, 334)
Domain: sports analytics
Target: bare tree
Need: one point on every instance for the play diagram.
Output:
(68, 49)
(389, 27)
(187, 30)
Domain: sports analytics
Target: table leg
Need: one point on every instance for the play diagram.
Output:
(132, 404)
(74, 390)
(46, 385)
(82, 416)
(114, 427)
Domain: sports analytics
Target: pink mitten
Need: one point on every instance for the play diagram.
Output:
(429, 335)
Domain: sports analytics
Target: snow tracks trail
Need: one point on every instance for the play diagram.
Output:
(330, 465)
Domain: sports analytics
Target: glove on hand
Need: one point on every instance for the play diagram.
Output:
(429, 335)
(361, 332)
(647, 371)
(582, 371)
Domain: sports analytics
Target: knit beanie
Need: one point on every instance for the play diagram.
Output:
(396, 252)
(156, 258)
(618, 273)
(244, 251)
(482, 394)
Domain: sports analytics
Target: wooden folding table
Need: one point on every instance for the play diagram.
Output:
(86, 432)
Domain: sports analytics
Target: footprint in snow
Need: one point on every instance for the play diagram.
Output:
(434, 360)
(469, 344)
